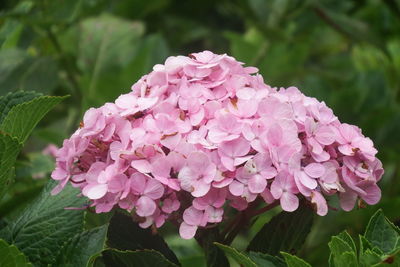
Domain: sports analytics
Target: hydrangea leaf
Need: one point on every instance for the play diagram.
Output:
(125, 234)
(239, 257)
(143, 258)
(9, 150)
(12, 99)
(348, 239)
(382, 233)
(43, 227)
(78, 250)
(342, 253)
(22, 118)
(286, 231)
(294, 261)
(215, 257)
(266, 260)
(11, 256)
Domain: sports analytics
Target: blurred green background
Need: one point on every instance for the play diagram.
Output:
(346, 53)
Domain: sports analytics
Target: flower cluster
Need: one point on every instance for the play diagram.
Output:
(202, 133)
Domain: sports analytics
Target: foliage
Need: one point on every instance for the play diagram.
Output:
(346, 53)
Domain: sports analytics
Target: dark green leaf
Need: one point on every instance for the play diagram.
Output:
(286, 231)
(125, 234)
(22, 119)
(10, 100)
(11, 256)
(107, 44)
(382, 233)
(44, 226)
(239, 257)
(78, 250)
(266, 260)
(294, 261)
(9, 150)
(215, 257)
(142, 258)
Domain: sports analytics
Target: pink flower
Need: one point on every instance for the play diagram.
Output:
(284, 189)
(148, 191)
(197, 175)
(203, 134)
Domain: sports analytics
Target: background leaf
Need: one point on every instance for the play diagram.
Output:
(286, 231)
(239, 257)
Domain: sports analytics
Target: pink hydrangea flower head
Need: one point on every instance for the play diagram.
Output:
(202, 134)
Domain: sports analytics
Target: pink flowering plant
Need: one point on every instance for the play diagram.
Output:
(202, 144)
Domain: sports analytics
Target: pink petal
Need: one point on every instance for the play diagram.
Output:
(320, 202)
(236, 188)
(187, 231)
(193, 216)
(315, 170)
(275, 135)
(347, 200)
(257, 184)
(200, 188)
(145, 206)
(95, 191)
(289, 202)
(153, 189)
(306, 180)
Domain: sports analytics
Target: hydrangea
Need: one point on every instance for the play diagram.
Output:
(202, 134)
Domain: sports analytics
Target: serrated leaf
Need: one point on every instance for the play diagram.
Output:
(286, 231)
(10, 100)
(143, 258)
(342, 252)
(348, 239)
(381, 233)
(125, 234)
(266, 260)
(78, 251)
(9, 150)
(22, 118)
(11, 256)
(239, 257)
(44, 226)
(294, 261)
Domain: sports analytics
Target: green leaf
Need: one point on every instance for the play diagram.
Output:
(294, 261)
(125, 234)
(285, 232)
(22, 118)
(11, 256)
(215, 257)
(382, 233)
(143, 258)
(20, 70)
(9, 150)
(43, 227)
(12, 99)
(266, 260)
(342, 252)
(78, 251)
(347, 238)
(239, 257)
(107, 44)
